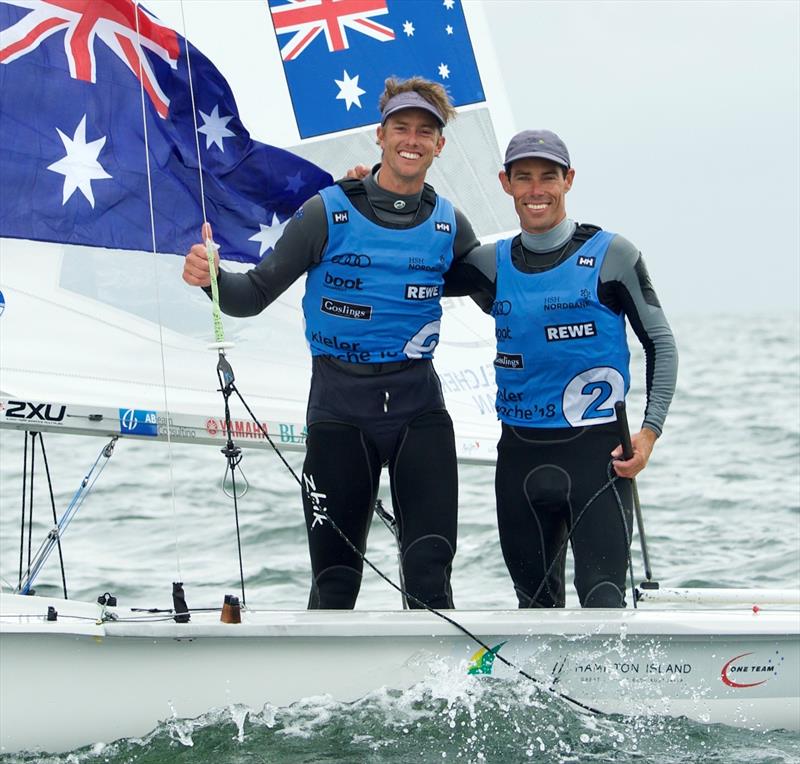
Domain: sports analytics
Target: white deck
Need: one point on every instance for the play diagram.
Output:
(737, 666)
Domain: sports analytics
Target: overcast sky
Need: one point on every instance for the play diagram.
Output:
(682, 123)
(682, 119)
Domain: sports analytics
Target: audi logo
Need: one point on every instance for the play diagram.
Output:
(501, 307)
(354, 261)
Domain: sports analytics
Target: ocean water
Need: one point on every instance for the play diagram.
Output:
(721, 503)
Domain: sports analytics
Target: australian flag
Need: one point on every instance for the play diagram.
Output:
(337, 54)
(102, 139)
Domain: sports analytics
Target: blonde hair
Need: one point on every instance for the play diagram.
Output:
(432, 92)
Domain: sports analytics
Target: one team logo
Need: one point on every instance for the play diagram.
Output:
(586, 262)
(340, 216)
(441, 225)
(743, 671)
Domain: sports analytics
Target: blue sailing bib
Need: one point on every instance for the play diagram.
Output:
(375, 296)
(562, 356)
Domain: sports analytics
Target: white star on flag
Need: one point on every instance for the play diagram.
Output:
(214, 128)
(444, 71)
(448, 4)
(80, 166)
(268, 236)
(408, 28)
(448, 29)
(349, 91)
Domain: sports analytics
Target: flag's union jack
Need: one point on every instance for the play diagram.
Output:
(308, 18)
(92, 162)
(124, 27)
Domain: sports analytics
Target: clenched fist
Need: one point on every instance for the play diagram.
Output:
(195, 266)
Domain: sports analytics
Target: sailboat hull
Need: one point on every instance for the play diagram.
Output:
(93, 680)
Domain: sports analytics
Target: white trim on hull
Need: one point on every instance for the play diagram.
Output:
(739, 667)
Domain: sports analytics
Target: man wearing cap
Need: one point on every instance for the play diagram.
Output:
(376, 253)
(560, 292)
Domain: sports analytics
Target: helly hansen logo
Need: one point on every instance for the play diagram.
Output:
(340, 216)
(422, 291)
(509, 361)
(440, 225)
(570, 331)
(586, 262)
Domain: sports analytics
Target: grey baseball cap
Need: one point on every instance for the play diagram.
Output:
(537, 143)
(409, 100)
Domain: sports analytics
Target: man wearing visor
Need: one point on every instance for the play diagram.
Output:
(376, 252)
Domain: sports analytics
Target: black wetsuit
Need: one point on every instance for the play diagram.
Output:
(545, 476)
(364, 416)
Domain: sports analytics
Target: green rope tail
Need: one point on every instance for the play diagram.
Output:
(219, 332)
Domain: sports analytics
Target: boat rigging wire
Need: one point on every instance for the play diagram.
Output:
(232, 452)
(151, 209)
(55, 518)
(53, 538)
(22, 520)
(33, 562)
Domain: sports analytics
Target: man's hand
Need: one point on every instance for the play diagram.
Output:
(642, 442)
(359, 172)
(195, 265)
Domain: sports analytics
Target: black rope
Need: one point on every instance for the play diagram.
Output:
(232, 453)
(55, 518)
(544, 686)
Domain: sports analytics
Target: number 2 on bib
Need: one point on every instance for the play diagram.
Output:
(589, 397)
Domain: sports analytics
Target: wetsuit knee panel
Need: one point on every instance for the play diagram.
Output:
(426, 567)
(548, 487)
(335, 588)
